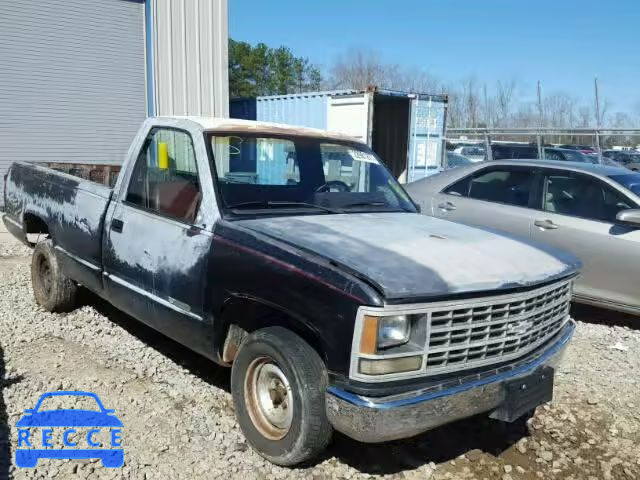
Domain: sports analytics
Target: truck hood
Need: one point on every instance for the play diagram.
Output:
(412, 255)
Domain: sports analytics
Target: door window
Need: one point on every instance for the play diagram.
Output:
(165, 177)
(581, 196)
(511, 187)
(460, 188)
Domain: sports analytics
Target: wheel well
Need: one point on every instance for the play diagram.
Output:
(34, 227)
(242, 316)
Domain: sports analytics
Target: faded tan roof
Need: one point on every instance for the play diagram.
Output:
(214, 124)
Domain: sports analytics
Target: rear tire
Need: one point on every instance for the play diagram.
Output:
(278, 384)
(52, 289)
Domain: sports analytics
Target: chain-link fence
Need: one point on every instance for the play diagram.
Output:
(597, 140)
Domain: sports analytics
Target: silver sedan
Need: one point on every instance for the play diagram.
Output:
(592, 211)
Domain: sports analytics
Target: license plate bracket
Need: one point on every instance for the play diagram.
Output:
(524, 394)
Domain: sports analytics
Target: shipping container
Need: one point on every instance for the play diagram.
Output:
(406, 130)
(427, 137)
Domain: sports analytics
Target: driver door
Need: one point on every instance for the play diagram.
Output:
(157, 248)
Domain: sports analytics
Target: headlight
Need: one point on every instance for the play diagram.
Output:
(380, 336)
(383, 332)
(393, 331)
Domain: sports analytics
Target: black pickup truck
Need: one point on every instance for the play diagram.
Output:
(293, 256)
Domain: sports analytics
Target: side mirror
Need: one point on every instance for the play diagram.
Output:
(629, 217)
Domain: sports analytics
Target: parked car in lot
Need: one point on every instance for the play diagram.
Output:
(293, 256)
(567, 155)
(586, 149)
(475, 153)
(611, 162)
(455, 160)
(503, 151)
(630, 160)
(592, 211)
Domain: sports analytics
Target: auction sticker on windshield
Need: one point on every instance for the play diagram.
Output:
(69, 425)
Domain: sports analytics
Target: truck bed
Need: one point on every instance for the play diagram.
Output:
(71, 210)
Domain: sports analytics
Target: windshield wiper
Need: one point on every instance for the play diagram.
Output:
(373, 204)
(366, 204)
(279, 204)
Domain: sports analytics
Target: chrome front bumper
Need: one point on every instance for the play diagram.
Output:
(379, 419)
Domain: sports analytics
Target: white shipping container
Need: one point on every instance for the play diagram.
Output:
(406, 130)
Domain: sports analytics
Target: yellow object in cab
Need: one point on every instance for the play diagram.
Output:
(163, 156)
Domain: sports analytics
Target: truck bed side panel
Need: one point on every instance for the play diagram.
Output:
(73, 210)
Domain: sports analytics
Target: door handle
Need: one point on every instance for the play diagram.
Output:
(117, 225)
(447, 206)
(545, 224)
(193, 230)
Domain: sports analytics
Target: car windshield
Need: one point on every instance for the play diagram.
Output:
(455, 160)
(268, 174)
(630, 181)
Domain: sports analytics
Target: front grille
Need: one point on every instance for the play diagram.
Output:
(478, 332)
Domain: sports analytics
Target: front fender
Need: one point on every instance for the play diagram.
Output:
(260, 283)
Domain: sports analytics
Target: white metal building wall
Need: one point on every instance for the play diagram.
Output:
(190, 42)
(72, 80)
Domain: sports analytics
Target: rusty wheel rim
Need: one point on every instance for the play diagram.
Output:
(268, 398)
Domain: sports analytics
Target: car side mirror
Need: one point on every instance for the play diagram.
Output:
(418, 208)
(629, 217)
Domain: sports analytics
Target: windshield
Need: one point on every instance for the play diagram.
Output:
(630, 181)
(261, 173)
(74, 402)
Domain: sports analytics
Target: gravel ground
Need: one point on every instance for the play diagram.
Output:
(179, 423)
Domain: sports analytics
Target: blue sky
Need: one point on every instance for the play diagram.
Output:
(562, 43)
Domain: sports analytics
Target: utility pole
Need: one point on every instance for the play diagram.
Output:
(540, 123)
(595, 85)
(487, 113)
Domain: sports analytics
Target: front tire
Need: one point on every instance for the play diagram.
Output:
(52, 289)
(278, 384)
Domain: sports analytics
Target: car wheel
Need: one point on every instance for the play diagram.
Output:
(52, 289)
(278, 384)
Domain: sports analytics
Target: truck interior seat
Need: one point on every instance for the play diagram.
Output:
(179, 198)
